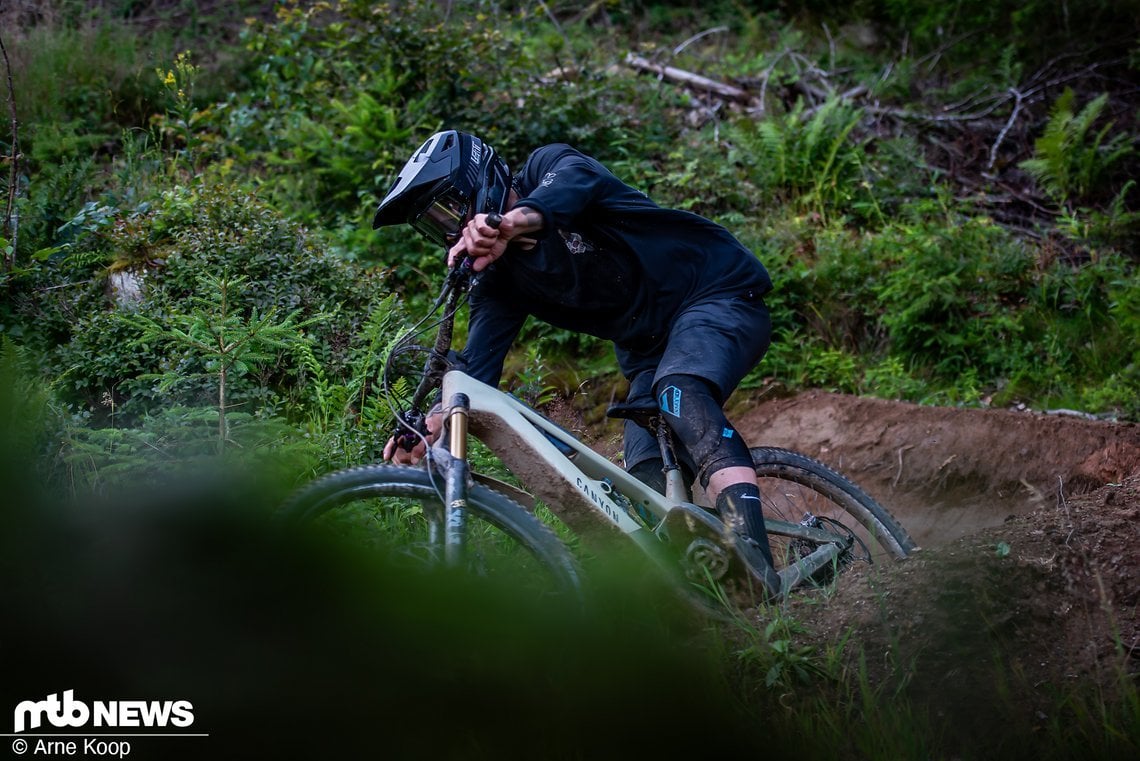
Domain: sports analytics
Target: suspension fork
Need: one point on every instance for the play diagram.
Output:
(455, 484)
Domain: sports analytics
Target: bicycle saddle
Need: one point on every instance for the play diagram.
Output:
(642, 413)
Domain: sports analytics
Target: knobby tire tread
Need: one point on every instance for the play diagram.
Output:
(344, 486)
(773, 462)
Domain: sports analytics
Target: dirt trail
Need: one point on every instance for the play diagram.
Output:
(947, 472)
(1025, 596)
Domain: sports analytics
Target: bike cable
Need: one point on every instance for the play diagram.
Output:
(411, 422)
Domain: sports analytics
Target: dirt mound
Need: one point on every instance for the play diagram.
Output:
(1026, 591)
(947, 472)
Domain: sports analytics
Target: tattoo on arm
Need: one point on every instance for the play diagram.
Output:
(531, 220)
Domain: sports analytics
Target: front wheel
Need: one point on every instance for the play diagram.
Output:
(798, 491)
(399, 511)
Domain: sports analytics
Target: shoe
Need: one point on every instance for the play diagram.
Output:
(759, 568)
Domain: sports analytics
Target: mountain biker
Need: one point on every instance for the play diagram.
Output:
(680, 297)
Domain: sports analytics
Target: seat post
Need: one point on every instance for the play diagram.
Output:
(646, 415)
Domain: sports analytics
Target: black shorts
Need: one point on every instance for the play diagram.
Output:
(719, 340)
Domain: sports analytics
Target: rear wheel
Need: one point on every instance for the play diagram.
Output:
(399, 511)
(800, 490)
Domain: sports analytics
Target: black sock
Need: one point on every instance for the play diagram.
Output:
(739, 506)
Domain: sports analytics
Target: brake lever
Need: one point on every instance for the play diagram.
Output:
(411, 428)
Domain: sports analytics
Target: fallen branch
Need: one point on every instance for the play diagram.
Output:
(1009, 123)
(689, 79)
(715, 30)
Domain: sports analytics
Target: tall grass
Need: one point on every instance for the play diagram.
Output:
(96, 78)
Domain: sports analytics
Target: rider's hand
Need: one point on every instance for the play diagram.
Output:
(484, 243)
(401, 456)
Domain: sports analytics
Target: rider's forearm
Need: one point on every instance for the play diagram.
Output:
(522, 221)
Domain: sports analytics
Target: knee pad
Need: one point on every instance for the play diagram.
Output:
(693, 414)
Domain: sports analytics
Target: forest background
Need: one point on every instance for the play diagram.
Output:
(944, 193)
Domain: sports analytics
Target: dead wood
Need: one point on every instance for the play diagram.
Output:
(690, 80)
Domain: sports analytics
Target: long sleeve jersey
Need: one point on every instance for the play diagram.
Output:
(609, 262)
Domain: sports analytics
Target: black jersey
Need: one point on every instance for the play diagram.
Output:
(609, 262)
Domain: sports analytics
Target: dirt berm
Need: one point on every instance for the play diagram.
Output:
(948, 472)
(1020, 612)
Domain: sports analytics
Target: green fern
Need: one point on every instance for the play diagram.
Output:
(377, 337)
(1070, 161)
(836, 167)
(774, 149)
(322, 391)
(809, 156)
(355, 398)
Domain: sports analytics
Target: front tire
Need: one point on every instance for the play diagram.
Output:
(399, 510)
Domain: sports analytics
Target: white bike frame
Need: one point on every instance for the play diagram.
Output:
(596, 498)
(576, 484)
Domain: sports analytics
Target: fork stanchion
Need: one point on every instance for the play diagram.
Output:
(455, 486)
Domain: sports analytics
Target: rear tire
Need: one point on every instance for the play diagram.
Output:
(793, 485)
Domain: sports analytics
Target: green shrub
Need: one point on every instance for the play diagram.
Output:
(1086, 322)
(94, 74)
(67, 304)
(77, 84)
(947, 309)
(946, 296)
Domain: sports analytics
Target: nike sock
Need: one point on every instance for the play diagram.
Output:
(739, 505)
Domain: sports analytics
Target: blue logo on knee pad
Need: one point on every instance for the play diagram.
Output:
(727, 433)
(670, 400)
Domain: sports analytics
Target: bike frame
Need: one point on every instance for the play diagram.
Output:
(596, 498)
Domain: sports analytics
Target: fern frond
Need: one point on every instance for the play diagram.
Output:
(774, 148)
(1069, 162)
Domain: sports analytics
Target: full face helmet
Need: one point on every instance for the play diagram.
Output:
(451, 177)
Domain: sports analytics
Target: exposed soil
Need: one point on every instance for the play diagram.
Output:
(1025, 589)
(1027, 584)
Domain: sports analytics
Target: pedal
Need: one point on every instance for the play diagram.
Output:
(692, 530)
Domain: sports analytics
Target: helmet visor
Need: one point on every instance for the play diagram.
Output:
(443, 218)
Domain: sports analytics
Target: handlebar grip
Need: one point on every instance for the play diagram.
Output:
(494, 219)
